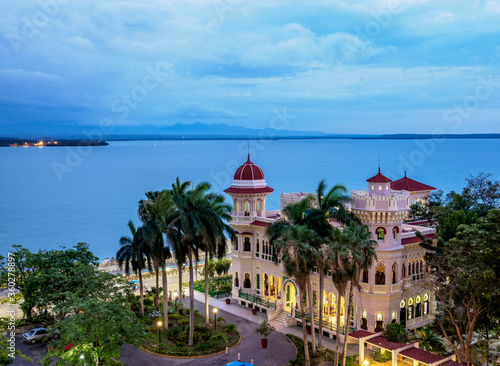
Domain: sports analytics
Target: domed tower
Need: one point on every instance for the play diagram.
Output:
(249, 191)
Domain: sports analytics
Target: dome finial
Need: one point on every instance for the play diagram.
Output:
(405, 173)
(249, 150)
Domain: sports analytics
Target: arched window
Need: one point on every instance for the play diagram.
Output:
(379, 323)
(404, 269)
(410, 308)
(236, 280)
(266, 285)
(409, 269)
(257, 246)
(418, 306)
(421, 265)
(380, 233)
(380, 275)
(413, 267)
(395, 231)
(394, 274)
(247, 247)
(426, 304)
(394, 317)
(402, 313)
(365, 276)
(236, 243)
(247, 208)
(364, 320)
(247, 283)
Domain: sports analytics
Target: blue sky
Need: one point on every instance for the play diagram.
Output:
(371, 66)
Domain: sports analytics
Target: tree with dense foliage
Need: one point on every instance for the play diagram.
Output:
(98, 324)
(58, 273)
(135, 255)
(8, 352)
(466, 275)
(395, 332)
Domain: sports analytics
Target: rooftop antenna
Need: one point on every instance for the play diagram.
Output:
(248, 149)
(379, 162)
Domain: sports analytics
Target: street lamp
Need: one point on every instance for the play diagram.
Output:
(159, 332)
(215, 317)
(365, 362)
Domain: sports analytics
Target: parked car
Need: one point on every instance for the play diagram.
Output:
(35, 335)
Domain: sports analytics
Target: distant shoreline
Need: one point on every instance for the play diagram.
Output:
(54, 142)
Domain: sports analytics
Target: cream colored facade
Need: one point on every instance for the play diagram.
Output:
(393, 288)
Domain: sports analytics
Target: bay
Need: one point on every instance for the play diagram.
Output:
(52, 197)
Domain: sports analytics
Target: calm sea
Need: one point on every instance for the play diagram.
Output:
(52, 197)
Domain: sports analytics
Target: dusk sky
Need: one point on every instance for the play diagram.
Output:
(363, 67)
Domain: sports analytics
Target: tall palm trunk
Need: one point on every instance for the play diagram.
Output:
(346, 333)
(207, 309)
(337, 341)
(304, 331)
(165, 294)
(321, 286)
(157, 293)
(141, 292)
(191, 297)
(313, 330)
(180, 286)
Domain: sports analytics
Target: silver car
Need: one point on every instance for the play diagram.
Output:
(35, 335)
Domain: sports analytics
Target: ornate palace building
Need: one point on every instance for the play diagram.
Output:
(392, 289)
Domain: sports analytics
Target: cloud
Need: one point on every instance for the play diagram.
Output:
(197, 110)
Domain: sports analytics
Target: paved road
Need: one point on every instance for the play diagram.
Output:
(279, 350)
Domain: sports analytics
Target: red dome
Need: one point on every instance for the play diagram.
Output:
(249, 171)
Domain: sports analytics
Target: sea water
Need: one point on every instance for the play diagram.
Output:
(59, 196)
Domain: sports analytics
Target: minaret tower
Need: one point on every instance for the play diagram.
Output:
(383, 211)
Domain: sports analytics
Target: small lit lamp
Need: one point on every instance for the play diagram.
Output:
(159, 332)
(215, 317)
(81, 358)
(365, 363)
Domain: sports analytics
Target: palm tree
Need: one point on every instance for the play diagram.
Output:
(322, 255)
(362, 257)
(214, 242)
(200, 226)
(296, 214)
(157, 213)
(296, 255)
(133, 253)
(180, 253)
(339, 256)
(429, 341)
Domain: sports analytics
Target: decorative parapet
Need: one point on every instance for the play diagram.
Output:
(393, 202)
(409, 230)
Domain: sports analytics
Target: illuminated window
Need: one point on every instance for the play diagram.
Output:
(380, 233)
(380, 317)
(380, 187)
(380, 275)
(394, 316)
(402, 304)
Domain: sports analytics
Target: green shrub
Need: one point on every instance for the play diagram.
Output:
(175, 316)
(382, 357)
(183, 321)
(197, 313)
(218, 339)
(180, 344)
(352, 360)
(395, 332)
(220, 319)
(206, 335)
(229, 328)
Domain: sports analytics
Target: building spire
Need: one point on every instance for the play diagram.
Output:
(379, 162)
(248, 149)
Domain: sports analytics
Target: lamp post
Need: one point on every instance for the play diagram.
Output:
(159, 332)
(215, 317)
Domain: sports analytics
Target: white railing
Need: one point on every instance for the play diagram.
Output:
(273, 213)
(410, 230)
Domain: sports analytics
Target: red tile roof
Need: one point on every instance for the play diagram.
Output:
(421, 356)
(410, 185)
(384, 343)
(379, 178)
(360, 334)
(414, 239)
(249, 171)
(260, 223)
(248, 190)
